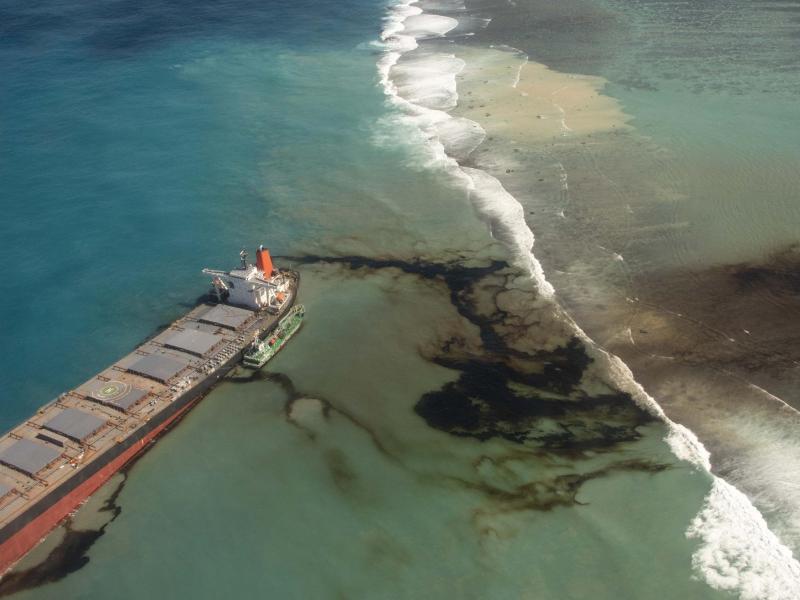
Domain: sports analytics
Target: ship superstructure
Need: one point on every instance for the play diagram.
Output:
(251, 286)
(58, 457)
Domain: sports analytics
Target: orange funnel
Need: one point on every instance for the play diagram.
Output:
(264, 261)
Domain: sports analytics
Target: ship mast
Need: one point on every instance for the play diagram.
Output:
(254, 286)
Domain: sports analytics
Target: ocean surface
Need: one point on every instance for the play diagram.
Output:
(549, 255)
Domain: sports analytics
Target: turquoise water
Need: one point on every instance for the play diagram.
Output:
(369, 502)
(430, 432)
(143, 143)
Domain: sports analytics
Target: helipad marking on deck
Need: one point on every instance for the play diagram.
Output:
(112, 391)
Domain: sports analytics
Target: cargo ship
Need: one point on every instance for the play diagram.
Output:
(56, 459)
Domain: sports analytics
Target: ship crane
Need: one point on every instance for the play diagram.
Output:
(218, 275)
(253, 286)
(218, 282)
(220, 288)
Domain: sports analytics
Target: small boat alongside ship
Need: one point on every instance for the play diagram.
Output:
(262, 350)
(61, 455)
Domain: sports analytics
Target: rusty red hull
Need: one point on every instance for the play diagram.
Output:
(23, 531)
(30, 533)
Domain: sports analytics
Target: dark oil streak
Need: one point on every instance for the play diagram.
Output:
(517, 396)
(547, 494)
(293, 395)
(71, 554)
(458, 279)
(482, 404)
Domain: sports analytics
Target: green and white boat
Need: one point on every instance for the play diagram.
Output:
(261, 351)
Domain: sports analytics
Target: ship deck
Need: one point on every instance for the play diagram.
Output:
(79, 426)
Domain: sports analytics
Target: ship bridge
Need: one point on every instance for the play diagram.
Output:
(254, 286)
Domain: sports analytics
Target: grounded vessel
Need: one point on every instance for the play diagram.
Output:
(71, 446)
(262, 350)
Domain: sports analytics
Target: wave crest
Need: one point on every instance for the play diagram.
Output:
(737, 551)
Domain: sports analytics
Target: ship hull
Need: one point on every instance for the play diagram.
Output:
(21, 535)
(31, 532)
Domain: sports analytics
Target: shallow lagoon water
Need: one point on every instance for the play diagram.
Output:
(433, 430)
(368, 501)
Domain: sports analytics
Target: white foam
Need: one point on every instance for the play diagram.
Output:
(737, 551)
(423, 88)
(459, 136)
(392, 37)
(506, 219)
(428, 81)
(768, 464)
(424, 26)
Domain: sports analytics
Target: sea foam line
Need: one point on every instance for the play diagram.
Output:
(737, 550)
(447, 137)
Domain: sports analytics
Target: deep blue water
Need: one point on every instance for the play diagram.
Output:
(142, 141)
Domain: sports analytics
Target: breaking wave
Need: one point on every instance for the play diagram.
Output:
(423, 88)
(736, 551)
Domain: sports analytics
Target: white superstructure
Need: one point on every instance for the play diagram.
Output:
(255, 286)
